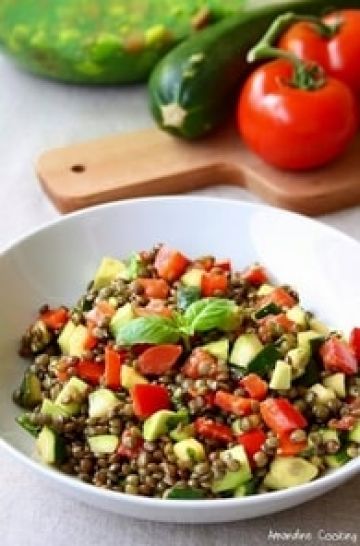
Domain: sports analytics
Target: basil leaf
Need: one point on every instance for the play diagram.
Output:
(152, 330)
(210, 313)
(186, 295)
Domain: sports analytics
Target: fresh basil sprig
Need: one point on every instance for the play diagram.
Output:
(201, 316)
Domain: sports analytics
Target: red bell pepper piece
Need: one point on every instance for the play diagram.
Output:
(255, 387)
(125, 450)
(212, 430)
(355, 342)
(280, 297)
(252, 441)
(90, 371)
(170, 264)
(55, 318)
(213, 282)
(155, 288)
(287, 447)
(147, 399)
(238, 405)
(159, 359)
(113, 363)
(256, 275)
(281, 416)
(337, 356)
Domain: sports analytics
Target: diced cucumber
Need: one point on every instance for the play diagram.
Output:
(77, 341)
(246, 489)
(108, 270)
(157, 425)
(233, 479)
(130, 377)
(193, 277)
(297, 315)
(319, 327)
(304, 338)
(354, 434)
(264, 290)
(281, 377)
(323, 394)
(50, 446)
(49, 407)
(337, 383)
(104, 444)
(264, 361)
(182, 432)
(122, 316)
(184, 493)
(219, 349)
(299, 358)
(189, 450)
(101, 402)
(30, 391)
(24, 421)
(288, 472)
(64, 338)
(72, 395)
(338, 459)
(329, 435)
(246, 347)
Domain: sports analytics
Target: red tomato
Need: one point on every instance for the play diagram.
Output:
(159, 359)
(294, 128)
(339, 54)
(212, 430)
(212, 283)
(355, 342)
(337, 356)
(252, 441)
(238, 405)
(289, 448)
(113, 363)
(256, 275)
(281, 416)
(170, 264)
(155, 288)
(280, 297)
(200, 364)
(147, 399)
(90, 371)
(256, 387)
(55, 318)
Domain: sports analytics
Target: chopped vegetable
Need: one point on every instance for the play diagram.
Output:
(159, 359)
(170, 264)
(256, 387)
(147, 399)
(337, 356)
(207, 428)
(237, 405)
(281, 416)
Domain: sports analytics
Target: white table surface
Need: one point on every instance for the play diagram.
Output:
(35, 115)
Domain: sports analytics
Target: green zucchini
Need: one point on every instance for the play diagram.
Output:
(29, 395)
(192, 87)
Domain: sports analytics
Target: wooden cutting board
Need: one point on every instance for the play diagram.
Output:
(151, 162)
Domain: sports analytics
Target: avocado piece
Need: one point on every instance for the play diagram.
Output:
(219, 349)
(246, 347)
(49, 407)
(189, 450)
(77, 341)
(64, 337)
(298, 315)
(336, 382)
(101, 402)
(75, 390)
(193, 277)
(299, 358)
(288, 472)
(281, 377)
(182, 432)
(130, 377)
(323, 394)
(108, 270)
(233, 479)
(122, 316)
(354, 433)
(264, 290)
(30, 391)
(157, 425)
(104, 444)
(337, 459)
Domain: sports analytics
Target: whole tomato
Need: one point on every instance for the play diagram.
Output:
(295, 127)
(337, 50)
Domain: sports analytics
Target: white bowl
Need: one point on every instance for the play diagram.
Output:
(54, 264)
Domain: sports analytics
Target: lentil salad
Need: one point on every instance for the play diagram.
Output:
(179, 378)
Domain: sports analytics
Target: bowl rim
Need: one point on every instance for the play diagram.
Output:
(330, 479)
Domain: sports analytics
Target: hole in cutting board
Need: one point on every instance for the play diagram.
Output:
(78, 168)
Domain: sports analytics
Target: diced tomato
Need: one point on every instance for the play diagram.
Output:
(124, 448)
(281, 416)
(355, 342)
(159, 359)
(91, 341)
(345, 423)
(170, 264)
(147, 399)
(154, 307)
(212, 283)
(337, 356)
(90, 371)
(255, 387)
(252, 441)
(113, 362)
(238, 405)
(155, 288)
(289, 448)
(225, 265)
(200, 364)
(55, 318)
(255, 275)
(275, 325)
(280, 297)
(212, 430)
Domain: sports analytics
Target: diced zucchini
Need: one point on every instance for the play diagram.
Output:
(264, 361)
(281, 377)
(104, 444)
(354, 434)
(184, 493)
(30, 391)
(122, 316)
(264, 290)
(49, 407)
(323, 394)
(64, 338)
(50, 446)
(246, 347)
(289, 472)
(338, 459)
(77, 341)
(72, 395)
(297, 315)
(219, 349)
(101, 402)
(319, 327)
(193, 277)
(189, 450)
(24, 421)
(130, 377)
(109, 269)
(336, 382)
(233, 479)
(299, 358)
(157, 425)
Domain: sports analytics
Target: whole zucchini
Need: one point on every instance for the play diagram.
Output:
(191, 87)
